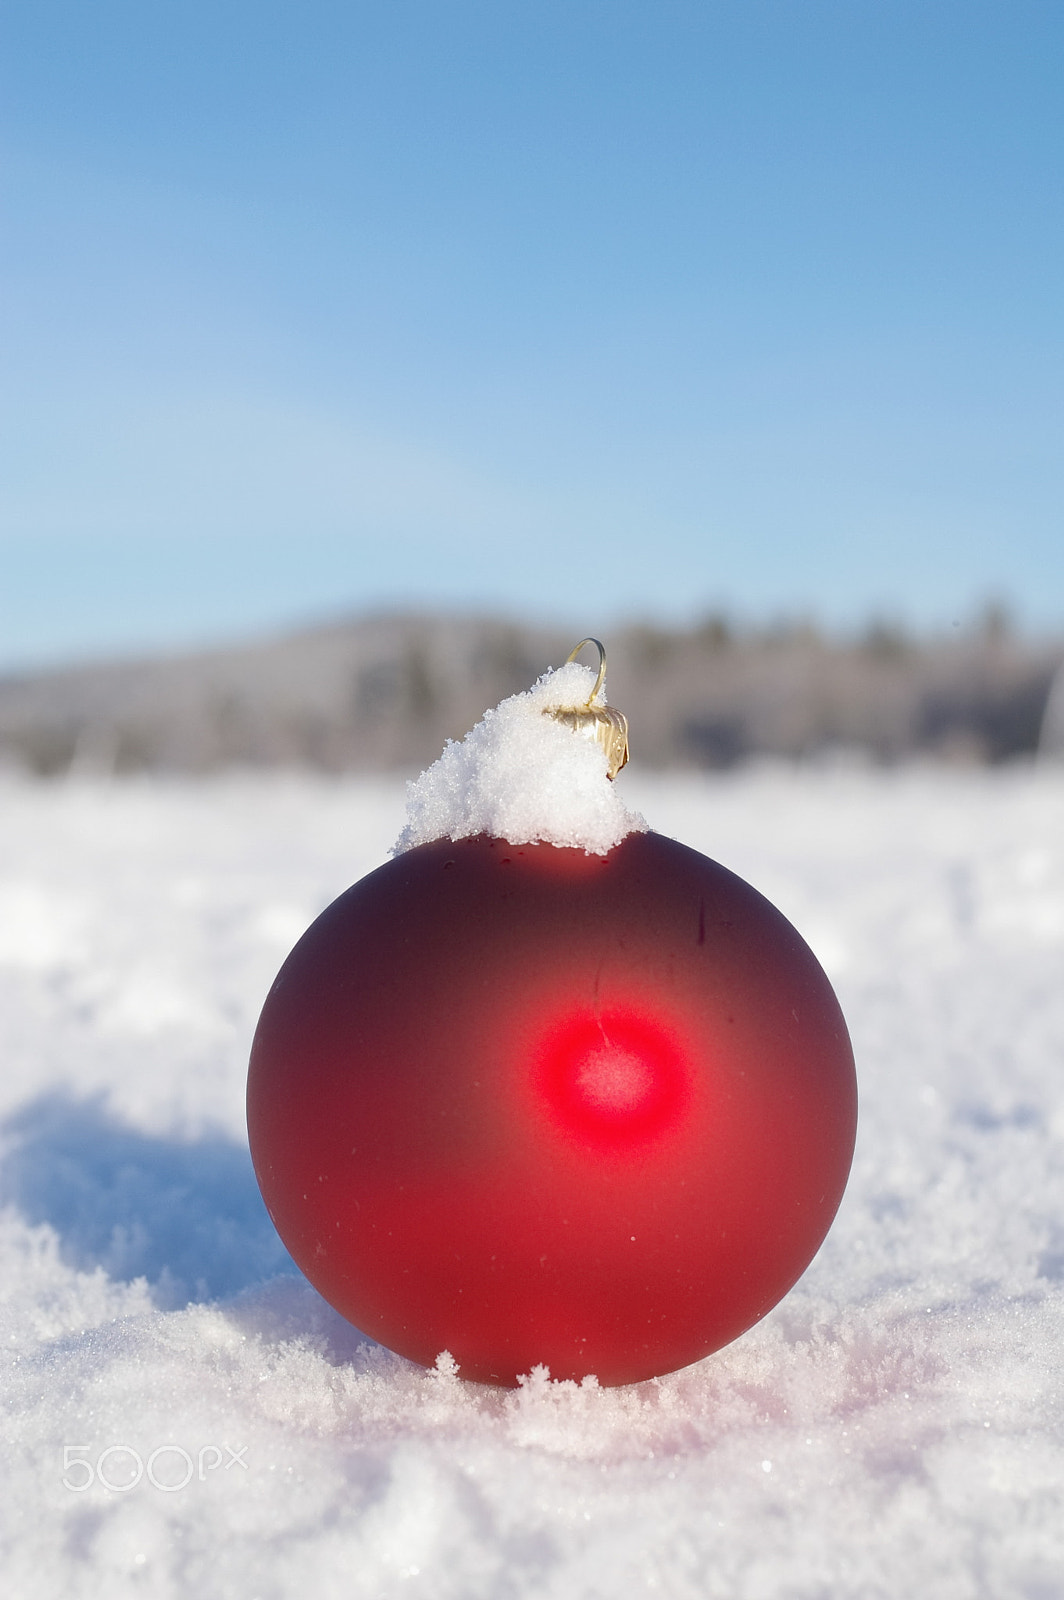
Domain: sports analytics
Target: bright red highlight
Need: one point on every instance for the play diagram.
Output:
(614, 1079)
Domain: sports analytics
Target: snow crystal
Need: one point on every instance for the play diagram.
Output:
(522, 776)
(182, 1414)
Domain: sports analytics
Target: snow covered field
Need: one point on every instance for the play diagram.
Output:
(894, 1428)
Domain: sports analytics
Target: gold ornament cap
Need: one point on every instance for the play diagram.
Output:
(604, 724)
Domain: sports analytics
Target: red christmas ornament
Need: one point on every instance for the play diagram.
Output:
(531, 1105)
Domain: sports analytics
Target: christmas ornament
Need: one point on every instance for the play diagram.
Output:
(533, 1102)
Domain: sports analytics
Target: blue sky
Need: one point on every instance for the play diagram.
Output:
(592, 310)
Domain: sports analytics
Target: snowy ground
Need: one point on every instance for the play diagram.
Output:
(894, 1428)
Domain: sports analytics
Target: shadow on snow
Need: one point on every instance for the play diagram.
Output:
(187, 1216)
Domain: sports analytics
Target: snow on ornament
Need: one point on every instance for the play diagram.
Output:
(547, 1088)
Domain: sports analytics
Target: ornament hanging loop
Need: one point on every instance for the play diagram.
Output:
(603, 724)
(600, 680)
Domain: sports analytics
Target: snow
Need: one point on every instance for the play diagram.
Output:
(893, 1428)
(522, 776)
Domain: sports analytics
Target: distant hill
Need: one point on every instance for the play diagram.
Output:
(383, 693)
